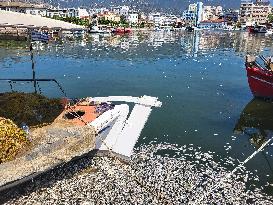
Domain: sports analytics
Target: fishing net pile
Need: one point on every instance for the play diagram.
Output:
(157, 174)
(12, 140)
(29, 108)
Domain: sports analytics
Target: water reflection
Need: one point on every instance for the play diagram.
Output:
(256, 121)
(150, 44)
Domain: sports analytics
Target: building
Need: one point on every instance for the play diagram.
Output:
(193, 8)
(68, 12)
(254, 12)
(212, 13)
(213, 24)
(109, 16)
(194, 14)
(27, 8)
(81, 13)
(169, 20)
(156, 19)
(121, 10)
(56, 12)
(231, 16)
(189, 17)
(133, 18)
(199, 13)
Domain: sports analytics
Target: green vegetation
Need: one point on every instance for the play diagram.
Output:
(122, 23)
(270, 18)
(74, 20)
(142, 25)
(104, 21)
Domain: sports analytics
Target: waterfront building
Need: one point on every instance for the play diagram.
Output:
(133, 17)
(194, 14)
(95, 11)
(26, 8)
(121, 10)
(189, 17)
(199, 12)
(81, 13)
(156, 19)
(231, 16)
(213, 24)
(169, 20)
(110, 16)
(212, 13)
(68, 12)
(57, 12)
(254, 12)
(193, 8)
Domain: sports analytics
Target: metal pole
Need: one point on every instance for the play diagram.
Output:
(33, 68)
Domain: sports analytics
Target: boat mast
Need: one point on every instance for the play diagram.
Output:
(33, 67)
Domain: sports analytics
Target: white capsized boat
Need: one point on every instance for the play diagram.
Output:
(118, 129)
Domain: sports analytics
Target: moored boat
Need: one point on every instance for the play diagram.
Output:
(257, 29)
(260, 79)
(100, 30)
(122, 30)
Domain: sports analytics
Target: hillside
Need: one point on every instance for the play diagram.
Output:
(161, 5)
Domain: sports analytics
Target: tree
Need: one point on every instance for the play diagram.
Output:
(270, 18)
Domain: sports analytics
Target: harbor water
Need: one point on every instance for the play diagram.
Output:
(199, 77)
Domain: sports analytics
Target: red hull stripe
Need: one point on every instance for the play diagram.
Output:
(264, 81)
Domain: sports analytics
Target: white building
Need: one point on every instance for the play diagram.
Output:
(133, 18)
(212, 13)
(98, 11)
(82, 13)
(69, 12)
(254, 12)
(169, 20)
(193, 8)
(194, 14)
(121, 10)
(156, 19)
(20, 7)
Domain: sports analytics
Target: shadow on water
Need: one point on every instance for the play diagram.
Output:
(256, 121)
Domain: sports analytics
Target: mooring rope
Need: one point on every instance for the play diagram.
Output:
(250, 157)
(229, 175)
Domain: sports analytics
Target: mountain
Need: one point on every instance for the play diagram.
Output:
(161, 5)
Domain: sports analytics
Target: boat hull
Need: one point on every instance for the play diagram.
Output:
(260, 82)
(122, 31)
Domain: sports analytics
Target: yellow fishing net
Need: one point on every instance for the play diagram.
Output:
(12, 140)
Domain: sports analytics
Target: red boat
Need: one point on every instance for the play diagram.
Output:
(122, 30)
(260, 79)
(257, 29)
